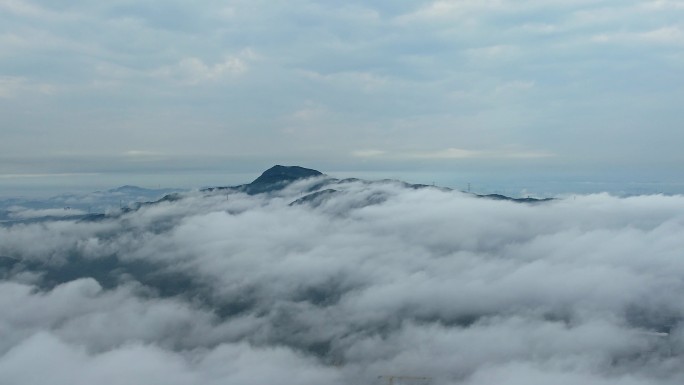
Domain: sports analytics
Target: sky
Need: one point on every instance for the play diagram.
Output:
(375, 279)
(160, 91)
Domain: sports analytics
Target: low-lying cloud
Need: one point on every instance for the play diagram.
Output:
(19, 212)
(373, 279)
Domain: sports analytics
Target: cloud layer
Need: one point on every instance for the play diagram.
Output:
(374, 279)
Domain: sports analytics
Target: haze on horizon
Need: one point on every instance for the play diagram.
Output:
(566, 88)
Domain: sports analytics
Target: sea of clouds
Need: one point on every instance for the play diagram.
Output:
(376, 279)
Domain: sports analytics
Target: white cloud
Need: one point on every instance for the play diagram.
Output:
(193, 70)
(57, 175)
(18, 212)
(309, 113)
(665, 35)
(454, 9)
(377, 279)
(540, 28)
(13, 86)
(453, 153)
(23, 8)
(514, 87)
(373, 67)
(670, 35)
(366, 81)
(368, 153)
(136, 153)
(658, 5)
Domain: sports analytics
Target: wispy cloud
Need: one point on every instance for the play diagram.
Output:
(193, 70)
(18, 212)
(454, 153)
(673, 35)
(13, 86)
(43, 175)
(370, 153)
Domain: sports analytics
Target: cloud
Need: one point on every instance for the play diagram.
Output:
(455, 153)
(669, 35)
(140, 153)
(366, 81)
(12, 86)
(368, 153)
(226, 364)
(453, 10)
(310, 112)
(446, 66)
(194, 70)
(60, 175)
(375, 279)
(514, 87)
(18, 212)
(657, 5)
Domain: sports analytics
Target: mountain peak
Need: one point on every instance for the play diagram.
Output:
(278, 174)
(126, 188)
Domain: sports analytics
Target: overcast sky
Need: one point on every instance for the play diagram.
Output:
(93, 87)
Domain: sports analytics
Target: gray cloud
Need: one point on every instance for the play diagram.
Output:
(373, 279)
(590, 81)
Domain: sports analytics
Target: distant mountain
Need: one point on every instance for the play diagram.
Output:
(274, 179)
(128, 189)
(124, 199)
(278, 177)
(500, 197)
(75, 206)
(280, 174)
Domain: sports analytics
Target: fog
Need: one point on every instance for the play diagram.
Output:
(372, 279)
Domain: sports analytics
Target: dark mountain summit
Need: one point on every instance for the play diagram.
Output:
(278, 177)
(128, 188)
(284, 174)
(274, 179)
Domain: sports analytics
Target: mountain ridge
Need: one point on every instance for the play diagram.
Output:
(271, 181)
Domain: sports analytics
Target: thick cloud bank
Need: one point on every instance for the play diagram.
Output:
(366, 280)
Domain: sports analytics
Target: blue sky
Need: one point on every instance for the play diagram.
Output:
(497, 87)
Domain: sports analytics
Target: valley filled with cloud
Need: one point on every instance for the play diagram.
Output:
(342, 281)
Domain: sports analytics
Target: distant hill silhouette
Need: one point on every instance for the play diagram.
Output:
(272, 180)
(277, 177)
(279, 174)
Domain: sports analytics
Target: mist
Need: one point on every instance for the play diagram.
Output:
(366, 280)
